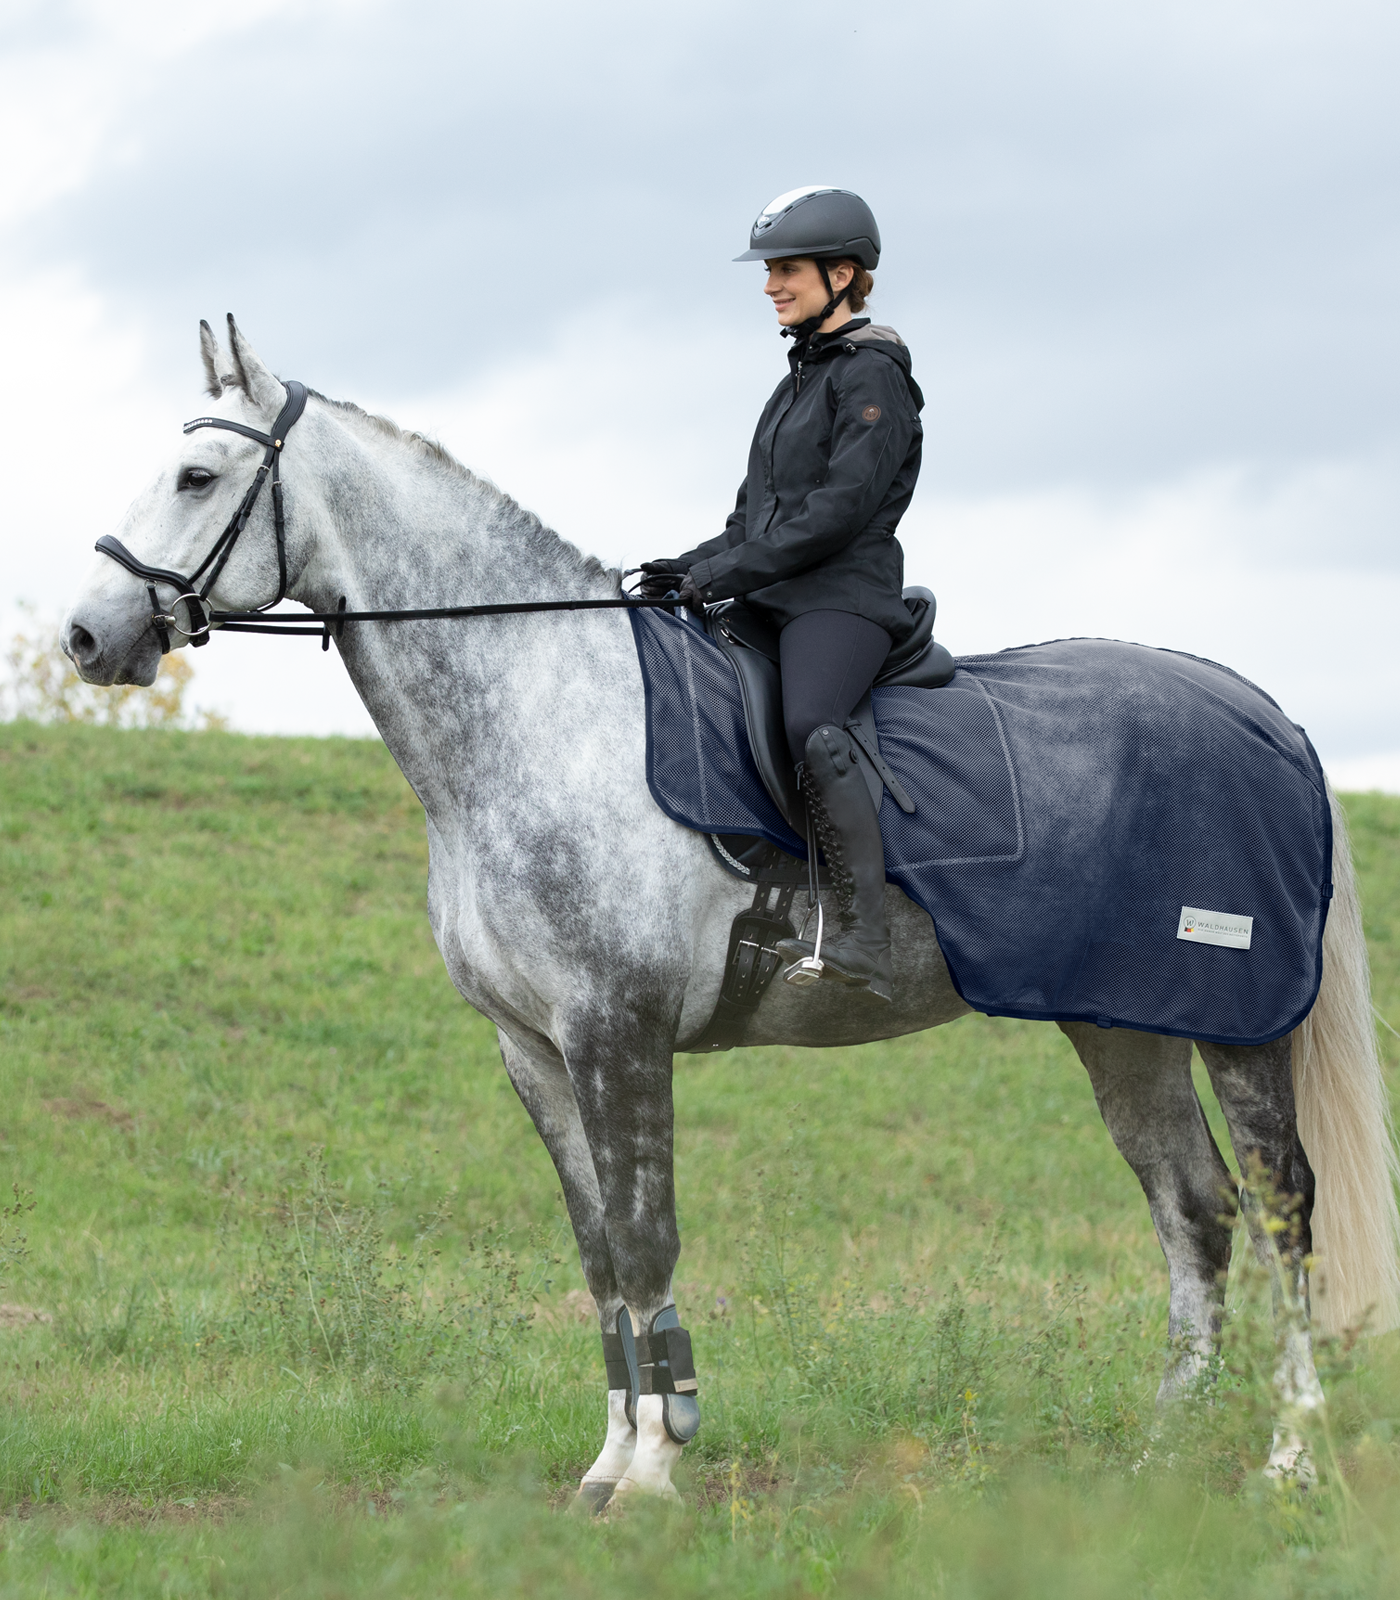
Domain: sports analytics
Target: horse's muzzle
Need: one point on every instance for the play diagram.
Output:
(108, 655)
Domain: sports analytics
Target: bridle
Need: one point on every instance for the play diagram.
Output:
(195, 596)
(200, 616)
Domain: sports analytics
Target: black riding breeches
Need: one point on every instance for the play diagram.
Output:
(829, 659)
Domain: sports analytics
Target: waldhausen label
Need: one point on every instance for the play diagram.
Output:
(1215, 927)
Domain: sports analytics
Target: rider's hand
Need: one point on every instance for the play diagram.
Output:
(690, 595)
(659, 578)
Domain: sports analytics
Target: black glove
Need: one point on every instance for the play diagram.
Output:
(659, 578)
(690, 595)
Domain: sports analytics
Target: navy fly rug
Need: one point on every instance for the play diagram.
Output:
(1103, 832)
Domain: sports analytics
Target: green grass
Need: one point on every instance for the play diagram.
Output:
(927, 1303)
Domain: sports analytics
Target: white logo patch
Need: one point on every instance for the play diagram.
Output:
(1215, 927)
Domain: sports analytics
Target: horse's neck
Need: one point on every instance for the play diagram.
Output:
(456, 700)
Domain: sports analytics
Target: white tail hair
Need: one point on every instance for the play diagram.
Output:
(1344, 1123)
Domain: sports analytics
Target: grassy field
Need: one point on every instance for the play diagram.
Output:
(298, 1314)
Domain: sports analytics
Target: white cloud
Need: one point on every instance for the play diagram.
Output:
(77, 436)
(60, 97)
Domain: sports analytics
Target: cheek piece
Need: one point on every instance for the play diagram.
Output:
(657, 1362)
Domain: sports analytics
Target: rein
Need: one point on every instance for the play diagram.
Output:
(194, 596)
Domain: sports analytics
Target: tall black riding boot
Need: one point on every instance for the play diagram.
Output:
(857, 950)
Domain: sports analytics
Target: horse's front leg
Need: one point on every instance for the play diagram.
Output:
(619, 1061)
(541, 1080)
(1254, 1085)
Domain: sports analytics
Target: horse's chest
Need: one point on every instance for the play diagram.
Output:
(495, 932)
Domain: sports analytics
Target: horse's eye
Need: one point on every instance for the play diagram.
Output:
(195, 478)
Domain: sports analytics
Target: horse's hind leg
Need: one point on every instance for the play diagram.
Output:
(1142, 1082)
(1254, 1085)
(539, 1076)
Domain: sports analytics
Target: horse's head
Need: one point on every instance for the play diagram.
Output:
(109, 634)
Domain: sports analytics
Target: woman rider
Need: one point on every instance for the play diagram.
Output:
(811, 540)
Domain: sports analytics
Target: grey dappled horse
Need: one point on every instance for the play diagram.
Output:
(592, 930)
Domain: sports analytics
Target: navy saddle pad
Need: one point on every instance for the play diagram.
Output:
(1091, 818)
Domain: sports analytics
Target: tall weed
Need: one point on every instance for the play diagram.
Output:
(327, 1294)
(893, 1355)
(14, 1246)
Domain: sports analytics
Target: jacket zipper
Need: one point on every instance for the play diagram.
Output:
(774, 443)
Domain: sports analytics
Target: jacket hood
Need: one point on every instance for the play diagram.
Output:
(873, 330)
(873, 336)
(885, 339)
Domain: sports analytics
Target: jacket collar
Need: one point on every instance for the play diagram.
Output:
(822, 345)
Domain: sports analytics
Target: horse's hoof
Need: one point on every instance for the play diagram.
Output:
(592, 1497)
(630, 1490)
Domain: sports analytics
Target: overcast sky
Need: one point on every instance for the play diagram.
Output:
(1146, 257)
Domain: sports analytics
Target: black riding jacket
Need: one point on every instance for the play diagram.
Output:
(832, 467)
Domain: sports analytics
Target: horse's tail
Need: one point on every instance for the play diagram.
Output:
(1344, 1123)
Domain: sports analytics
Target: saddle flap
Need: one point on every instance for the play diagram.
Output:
(760, 685)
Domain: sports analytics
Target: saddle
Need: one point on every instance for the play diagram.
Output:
(750, 642)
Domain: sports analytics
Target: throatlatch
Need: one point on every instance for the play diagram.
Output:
(657, 1362)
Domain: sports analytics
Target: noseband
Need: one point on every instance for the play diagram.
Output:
(213, 564)
(263, 620)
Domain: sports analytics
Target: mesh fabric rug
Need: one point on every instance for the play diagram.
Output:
(1072, 799)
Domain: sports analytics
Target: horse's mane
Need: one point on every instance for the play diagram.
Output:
(523, 525)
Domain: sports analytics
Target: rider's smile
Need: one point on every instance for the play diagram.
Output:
(798, 291)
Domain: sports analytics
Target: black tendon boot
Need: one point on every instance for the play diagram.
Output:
(857, 950)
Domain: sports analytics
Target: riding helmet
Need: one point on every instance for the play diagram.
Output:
(815, 221)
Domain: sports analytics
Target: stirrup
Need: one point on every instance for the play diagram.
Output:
(809, 970)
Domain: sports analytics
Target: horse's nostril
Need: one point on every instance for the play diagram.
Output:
(81, 644)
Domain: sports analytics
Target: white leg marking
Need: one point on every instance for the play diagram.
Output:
(613, 1459)
(1302, 1409)
(1189, 1359)
(656, 1456)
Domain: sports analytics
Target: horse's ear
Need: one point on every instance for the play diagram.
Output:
(250, 374)
(214, 358)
